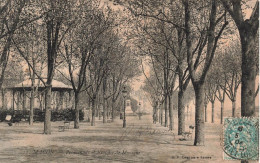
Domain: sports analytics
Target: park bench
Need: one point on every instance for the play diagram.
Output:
(188, 135)
(11, 119)
(66, 125)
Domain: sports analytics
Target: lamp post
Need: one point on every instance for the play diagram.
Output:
(139, 112)
(124, 92)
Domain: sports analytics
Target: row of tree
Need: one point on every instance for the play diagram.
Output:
(181, 38)
(224, 79)
(79, 42)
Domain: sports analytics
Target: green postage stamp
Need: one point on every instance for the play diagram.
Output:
(241, 138)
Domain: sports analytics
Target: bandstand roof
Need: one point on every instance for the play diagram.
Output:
(27, 85)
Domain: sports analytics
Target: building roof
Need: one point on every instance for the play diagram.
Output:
(27, 85)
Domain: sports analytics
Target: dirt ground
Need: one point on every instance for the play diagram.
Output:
(140, 141)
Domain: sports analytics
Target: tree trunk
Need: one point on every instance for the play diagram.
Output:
(40, 101)
(18, 100)
(61, 98)
(248, 43)
(104, 101)
(70, 100)
(98, 111)
(160, 114)
(166, 111)
(57, 97)
(124, 117)
(43, 101)
(32, 96)
(181, 113)
(171, 126)
(206, 116)
(76, 120)
(3, 99)
(93, 112)
(66, 100)
(233, 108)
(31, 107)
(161, 108)
(212, 112)
(99, 114)
(249, 55)
(166, 92)
(157, 113)
(221, 112)
(104, 111)
(199, 114)
(47, 120)
(13, 102)
(108, 111)
(113, 110)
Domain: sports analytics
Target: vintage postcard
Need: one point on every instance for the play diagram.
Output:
(154, 81)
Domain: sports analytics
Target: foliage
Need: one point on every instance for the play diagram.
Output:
(66, 114)
(225, 71)
(56, 115)
(4, 113)
(17, 115)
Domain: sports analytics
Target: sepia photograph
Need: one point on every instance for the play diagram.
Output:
(129, 81)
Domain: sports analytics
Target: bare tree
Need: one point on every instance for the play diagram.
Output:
(210, 92)
(10, 12)
(162, 54)
(221, 97)
(249, 40)
(95, 75)
(217, 75)
(231, 72)
(208, 36)
(54, 20)
(80, 44)
(123, 67)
